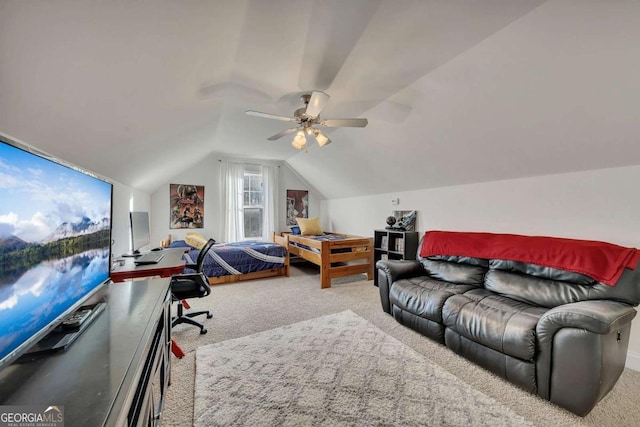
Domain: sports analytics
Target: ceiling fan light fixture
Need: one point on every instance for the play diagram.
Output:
(321, 138)
(299, 141)
(306, 118)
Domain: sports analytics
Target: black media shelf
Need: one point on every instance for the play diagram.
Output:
(394, 245)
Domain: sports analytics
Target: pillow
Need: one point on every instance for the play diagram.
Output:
(309, 226)
(295, 230)
(196, 240)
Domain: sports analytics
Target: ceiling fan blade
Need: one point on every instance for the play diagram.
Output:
(269, 116)
(316, 103)
(281, 134)
(339, 123)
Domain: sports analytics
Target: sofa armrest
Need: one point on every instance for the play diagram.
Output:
(389, 271)
(561, 329)
(600, 317)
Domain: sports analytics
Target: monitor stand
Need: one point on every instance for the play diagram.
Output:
(133, 254)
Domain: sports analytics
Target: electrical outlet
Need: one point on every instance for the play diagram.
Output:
(395, 201)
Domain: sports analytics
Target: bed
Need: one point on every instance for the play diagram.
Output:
(239, 261)
(336, 254)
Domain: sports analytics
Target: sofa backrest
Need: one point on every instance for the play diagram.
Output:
(533, 284)
(549, 287)
(454, 269)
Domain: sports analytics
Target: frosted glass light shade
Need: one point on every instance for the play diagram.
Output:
(299, 140)
(322, 139)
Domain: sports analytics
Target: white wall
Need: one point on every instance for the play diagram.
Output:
(207, 173)
(290, 180)
(595, 205)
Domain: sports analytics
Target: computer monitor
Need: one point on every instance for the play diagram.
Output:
(140, 235)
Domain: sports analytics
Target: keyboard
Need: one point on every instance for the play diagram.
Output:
(150, 258)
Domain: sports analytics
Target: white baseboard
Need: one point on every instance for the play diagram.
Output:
(633, 361)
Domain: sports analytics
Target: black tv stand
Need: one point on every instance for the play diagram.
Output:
(66, 333)
(116, 373)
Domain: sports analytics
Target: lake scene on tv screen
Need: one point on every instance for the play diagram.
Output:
(54, 242)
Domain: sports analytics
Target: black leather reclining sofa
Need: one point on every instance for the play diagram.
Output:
(556, 333)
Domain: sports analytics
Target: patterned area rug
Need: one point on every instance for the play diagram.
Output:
(333, 370)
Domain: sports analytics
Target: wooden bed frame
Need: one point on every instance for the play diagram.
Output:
(272, 272)
(357, 261)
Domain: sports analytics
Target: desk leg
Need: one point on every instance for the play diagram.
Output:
(176, 350)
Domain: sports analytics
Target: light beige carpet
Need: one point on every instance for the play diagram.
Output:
(334, 370)
(246, 308)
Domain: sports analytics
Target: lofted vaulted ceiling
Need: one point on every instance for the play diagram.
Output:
(455, 91)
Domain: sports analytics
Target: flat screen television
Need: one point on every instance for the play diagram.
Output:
(140, 234)
(55, 244)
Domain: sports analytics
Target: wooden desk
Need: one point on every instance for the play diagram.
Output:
(170, 264)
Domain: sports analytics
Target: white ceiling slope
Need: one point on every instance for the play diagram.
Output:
(455, 91)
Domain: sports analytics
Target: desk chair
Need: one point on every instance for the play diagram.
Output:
(191, 285)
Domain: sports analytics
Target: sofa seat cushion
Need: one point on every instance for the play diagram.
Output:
(495, 321)
(424, 296)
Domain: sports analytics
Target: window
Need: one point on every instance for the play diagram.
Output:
(253, 204)
(249, 208)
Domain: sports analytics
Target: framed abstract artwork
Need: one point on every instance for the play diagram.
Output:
(297, 205)
(405, 220)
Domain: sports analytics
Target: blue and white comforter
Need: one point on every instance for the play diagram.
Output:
(236, 258)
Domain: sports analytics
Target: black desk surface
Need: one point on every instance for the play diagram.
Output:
(93, 377)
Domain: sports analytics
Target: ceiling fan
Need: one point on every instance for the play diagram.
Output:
(306, 118)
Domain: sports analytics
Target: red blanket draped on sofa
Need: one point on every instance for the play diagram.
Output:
(601, 261)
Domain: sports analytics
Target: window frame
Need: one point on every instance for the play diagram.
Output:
(252, 179)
